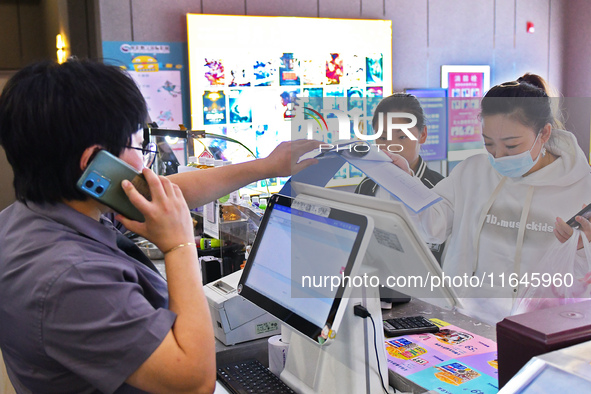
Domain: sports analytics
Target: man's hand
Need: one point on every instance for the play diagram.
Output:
(168, 221)
(283, 161)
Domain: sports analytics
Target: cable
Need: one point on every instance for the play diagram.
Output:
(377, 357)
(361, 311)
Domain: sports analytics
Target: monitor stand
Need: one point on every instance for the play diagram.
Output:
(348, 364)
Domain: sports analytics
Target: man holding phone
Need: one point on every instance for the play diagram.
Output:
(81, 312)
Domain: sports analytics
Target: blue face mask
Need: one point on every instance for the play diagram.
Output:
(516, 165)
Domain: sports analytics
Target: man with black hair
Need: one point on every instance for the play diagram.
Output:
(82, 311)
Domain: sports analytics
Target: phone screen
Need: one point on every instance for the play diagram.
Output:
(585, 212)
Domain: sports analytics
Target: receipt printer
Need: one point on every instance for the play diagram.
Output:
(236, 319)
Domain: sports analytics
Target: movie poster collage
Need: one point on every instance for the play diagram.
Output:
(252, 98)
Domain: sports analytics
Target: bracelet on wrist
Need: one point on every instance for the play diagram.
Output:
(180, 246)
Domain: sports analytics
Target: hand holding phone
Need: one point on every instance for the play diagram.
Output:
(168, 220)
(585, 212)
(102, 181)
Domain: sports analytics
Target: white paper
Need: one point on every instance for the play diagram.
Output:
(376, 165)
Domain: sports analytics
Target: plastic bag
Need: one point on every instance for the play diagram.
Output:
(564, 279)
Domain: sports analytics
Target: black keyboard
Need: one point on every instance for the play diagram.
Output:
(251, 376)
(408, 325)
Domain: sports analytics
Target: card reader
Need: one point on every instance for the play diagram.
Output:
(236, 319)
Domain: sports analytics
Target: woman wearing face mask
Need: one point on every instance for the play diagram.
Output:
(498, 210)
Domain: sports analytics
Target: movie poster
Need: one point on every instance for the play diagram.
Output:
(465, 90)
(240, 106)
(334, 91)
(213, 72)
(288, 99)
(354, 69)
(374, 69)
(289, 70)
(355, 98)
(313, 92)
(374, 95)
(312, 71)
(214, 107)
(239, 72)
(264, 72)
(334, 69)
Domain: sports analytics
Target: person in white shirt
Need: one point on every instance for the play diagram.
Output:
(498, 210)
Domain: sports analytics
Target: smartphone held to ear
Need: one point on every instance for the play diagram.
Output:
(102, 181)
(585, 212)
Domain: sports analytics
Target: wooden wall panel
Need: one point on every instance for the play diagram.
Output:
(306, 8)
(150, 13)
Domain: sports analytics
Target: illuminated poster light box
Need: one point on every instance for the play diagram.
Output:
(247, 72)
(465, 85)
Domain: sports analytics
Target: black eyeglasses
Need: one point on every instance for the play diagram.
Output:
(149, 153)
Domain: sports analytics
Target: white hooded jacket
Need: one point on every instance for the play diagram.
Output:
(495, 226)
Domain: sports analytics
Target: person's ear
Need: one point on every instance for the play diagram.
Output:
(423, 136)
(546, 132)
(87, 155)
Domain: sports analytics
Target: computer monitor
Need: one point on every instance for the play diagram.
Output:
(396, 251)
(296, 240)
(390, 246)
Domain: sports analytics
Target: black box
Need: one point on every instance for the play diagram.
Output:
(521, 337)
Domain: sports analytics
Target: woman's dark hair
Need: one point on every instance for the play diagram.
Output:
(400, 102)
(50, 113)
(527, 103)
(535, 80)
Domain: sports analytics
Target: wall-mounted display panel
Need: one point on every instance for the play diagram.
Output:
(466, 85)
(247, 73)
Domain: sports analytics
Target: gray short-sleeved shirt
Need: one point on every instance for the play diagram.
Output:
(77, 315)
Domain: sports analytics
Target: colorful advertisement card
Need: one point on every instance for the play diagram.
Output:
(161, 73)
(486, 362)
(450, 361)
(407, 356)
(456, 342)
(162, 91)
(455, 377)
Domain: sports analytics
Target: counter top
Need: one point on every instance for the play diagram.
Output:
(258, 348)
(418, 307)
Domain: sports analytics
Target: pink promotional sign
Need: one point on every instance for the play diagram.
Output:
(465, 91)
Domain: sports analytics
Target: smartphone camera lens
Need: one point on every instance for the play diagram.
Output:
(99, 189)
(89, 184)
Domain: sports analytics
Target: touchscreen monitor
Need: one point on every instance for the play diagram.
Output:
(295, 242)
